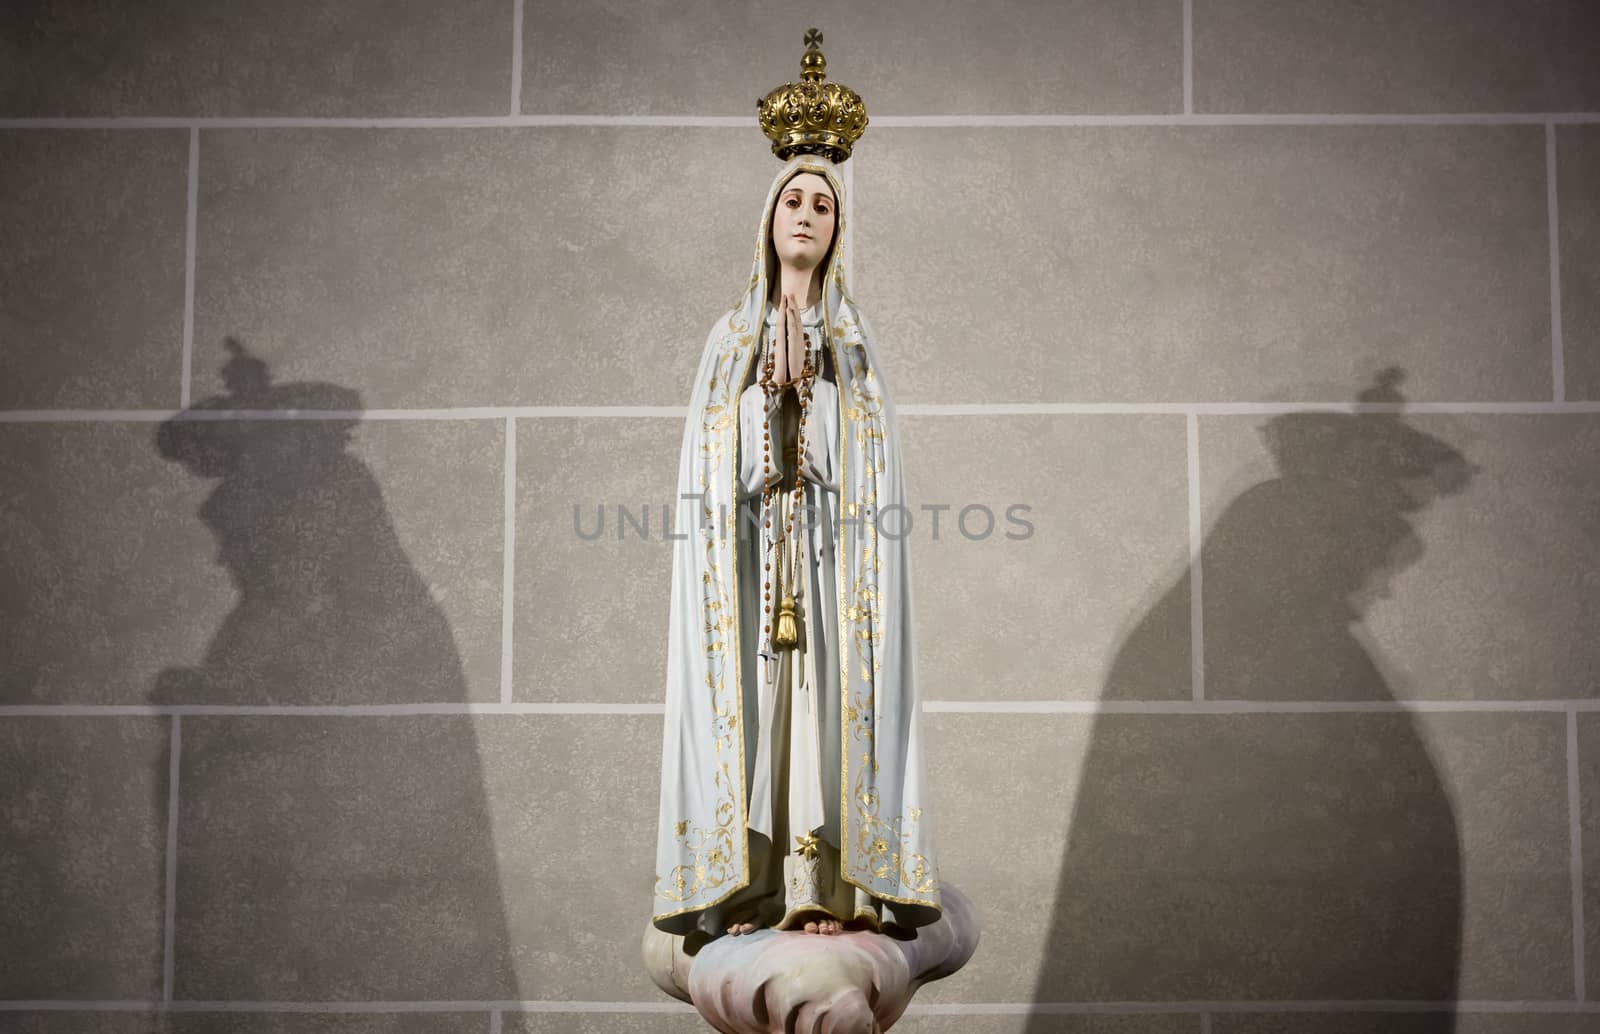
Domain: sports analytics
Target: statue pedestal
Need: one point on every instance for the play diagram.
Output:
(851, 983)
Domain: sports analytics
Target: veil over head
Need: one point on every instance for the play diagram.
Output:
(708, 740)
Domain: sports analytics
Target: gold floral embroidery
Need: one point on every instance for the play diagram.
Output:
(884, 843)
(713, 851)
(881, 859)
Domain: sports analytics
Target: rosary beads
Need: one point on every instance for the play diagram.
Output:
(788, 634)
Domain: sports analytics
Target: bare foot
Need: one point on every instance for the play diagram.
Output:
(739, 928)
(824, 926)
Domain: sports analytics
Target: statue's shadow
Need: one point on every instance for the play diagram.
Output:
(310, 846)
(1273, 856)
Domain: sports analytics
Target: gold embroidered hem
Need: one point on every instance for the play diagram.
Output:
(812, 887)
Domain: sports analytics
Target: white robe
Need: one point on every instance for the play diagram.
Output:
(794, 792)
(761, 417)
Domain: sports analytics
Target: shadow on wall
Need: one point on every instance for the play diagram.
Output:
(322, 857)
(1273, 856)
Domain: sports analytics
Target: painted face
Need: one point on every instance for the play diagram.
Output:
(803, 222)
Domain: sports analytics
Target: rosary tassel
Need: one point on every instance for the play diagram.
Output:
(787, 635)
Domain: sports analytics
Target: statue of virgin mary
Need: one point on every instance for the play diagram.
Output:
(792, 779)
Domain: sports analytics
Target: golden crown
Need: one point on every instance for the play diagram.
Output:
(811, 116)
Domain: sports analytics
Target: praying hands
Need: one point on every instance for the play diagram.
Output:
(789, 346)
